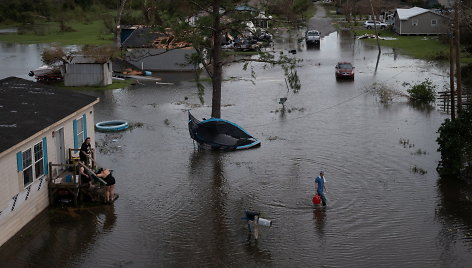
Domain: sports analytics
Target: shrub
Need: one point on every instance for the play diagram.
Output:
(385, 93)
(455, 145)
(423, 92)
(52, 55)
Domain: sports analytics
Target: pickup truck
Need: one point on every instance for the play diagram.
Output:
(312, 37)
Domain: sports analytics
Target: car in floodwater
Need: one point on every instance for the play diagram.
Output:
(344, 70)
(312, 37)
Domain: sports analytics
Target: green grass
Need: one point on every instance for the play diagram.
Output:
(116, 84)
(421, 47)
(91, 33)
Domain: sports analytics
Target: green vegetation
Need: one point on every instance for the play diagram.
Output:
(423, 92)
(292, 11)
(93, 32)
(115, 85)
(420, 47)
(455, 145)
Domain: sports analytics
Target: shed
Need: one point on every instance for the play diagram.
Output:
(37, 124)
(87, 71)
(419, 21)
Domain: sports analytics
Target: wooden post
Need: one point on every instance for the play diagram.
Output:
(458, 55)
(451, 71)
(50, 191)
(256, 227)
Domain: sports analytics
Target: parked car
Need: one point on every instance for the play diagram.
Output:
(312, 37)
(344, 70)
(370, 24)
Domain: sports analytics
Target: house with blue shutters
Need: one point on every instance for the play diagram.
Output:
(38, 124)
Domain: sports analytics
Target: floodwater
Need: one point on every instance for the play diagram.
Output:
(179, 206)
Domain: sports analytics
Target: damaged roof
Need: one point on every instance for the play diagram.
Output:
(27, 107)
(146, 37)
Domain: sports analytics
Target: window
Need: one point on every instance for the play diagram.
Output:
(38, 160)
(434, 22)
(80, 131)
(414, 22)
(27, 167)
(33, 163)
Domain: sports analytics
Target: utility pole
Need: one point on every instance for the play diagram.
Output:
(376, 35)
(375, 26)
(451, 71)
(458, 55)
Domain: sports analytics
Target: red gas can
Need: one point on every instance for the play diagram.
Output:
(316, 199)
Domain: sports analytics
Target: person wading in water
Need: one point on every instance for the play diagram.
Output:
(320, 187)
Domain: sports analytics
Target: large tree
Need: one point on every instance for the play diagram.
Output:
(202, 26)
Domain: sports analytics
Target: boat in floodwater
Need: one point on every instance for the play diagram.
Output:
(47, 72)
(220, 134)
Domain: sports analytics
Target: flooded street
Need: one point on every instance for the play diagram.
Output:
(182, 207)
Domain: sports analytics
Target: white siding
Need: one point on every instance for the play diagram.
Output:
(88, 74)
(11, 221)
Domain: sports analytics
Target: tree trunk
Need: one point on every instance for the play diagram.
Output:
(458, 58)
(118, 22)
(216, 78)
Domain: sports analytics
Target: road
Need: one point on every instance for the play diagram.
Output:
(321, 22)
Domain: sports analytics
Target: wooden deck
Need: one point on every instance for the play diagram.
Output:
(64, 183)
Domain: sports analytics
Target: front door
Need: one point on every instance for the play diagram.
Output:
(60, 150)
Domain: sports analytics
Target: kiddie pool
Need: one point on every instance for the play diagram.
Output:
(113, 125)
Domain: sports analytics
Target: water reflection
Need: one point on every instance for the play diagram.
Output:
(319, 217)
(454, 211)
(425, 108)
(57, 233)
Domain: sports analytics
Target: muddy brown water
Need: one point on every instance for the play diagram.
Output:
(182, 207)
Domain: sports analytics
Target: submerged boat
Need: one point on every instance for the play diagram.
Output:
(46, 72)
(216, 133)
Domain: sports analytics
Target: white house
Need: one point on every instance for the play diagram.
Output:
(37, 126)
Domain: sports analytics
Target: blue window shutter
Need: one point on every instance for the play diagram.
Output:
(76, 141)
(45, 156)
(85, 125)
(19, 161)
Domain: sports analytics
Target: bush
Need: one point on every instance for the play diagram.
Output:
(455, 145)
(52, 55)
(423, 92)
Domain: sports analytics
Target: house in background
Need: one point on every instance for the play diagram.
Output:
(87, 71)
(419, 21)
(37, 126)
(150, 50)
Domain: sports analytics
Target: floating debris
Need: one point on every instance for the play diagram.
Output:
(370, 36)
(418, 170)
(419, 152)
